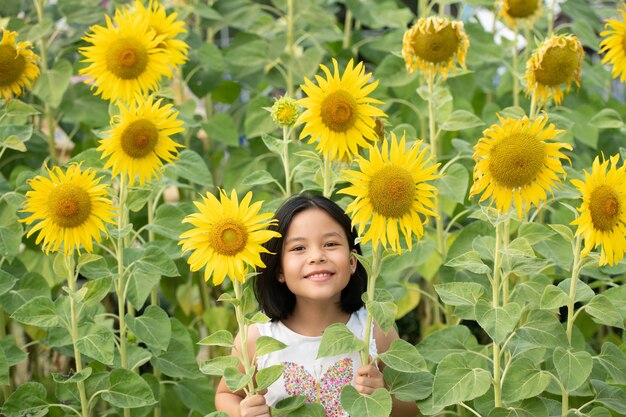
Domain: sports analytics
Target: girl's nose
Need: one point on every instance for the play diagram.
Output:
(316, 256)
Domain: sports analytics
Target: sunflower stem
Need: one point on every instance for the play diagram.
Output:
(515, 65)
(328, 186)
(347, 29)
(371, 286)
(495, 292)
(572, 287)
(551, 18)
(285, 158)
(121, 288)
(290, 47)
(533, 105)
(431, 117)
(154, 300)
(243, 331)
(71, 283)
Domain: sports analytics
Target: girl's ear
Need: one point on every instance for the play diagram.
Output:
(281, 278)
(353, 261)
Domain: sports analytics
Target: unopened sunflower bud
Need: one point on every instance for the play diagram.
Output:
(285, 111)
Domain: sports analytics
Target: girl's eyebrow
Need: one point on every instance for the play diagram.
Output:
(299, 238)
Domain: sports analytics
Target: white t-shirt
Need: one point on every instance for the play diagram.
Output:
(319, 380)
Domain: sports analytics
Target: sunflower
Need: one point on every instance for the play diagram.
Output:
(139, 140)
(18, 65)
(285, 111)
(338, 111)
(613, 45)
(602, 219)
(558, 61)
(227, 236)
(69, 209)
(515, 12)
(514, 163)
(124, 59)
(432, 44)
(392, 192)
(165, 27)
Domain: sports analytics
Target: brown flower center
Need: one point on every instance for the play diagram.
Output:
(338, 111)
(391, 191)
(70, 205)
(558, 65)
(436, 47)
(11, 65)
(228, 237)
(604, 207)
(520, 9)
(139, 138)
(516, 160)
(127, 58)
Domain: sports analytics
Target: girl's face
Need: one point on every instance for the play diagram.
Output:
(316, 259)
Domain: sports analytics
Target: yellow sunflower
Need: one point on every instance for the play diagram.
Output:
(613, 45)
(285, 111)
(516, 164)
(392, 192)
(68, 209)
(139, 140)
(18, 65)
(519, 12)
(125, 59)
(602, 219)
(165, 27)
(432, 45)
(227, 236)
(338, 111)
(557, 61)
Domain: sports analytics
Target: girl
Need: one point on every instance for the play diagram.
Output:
(312, 279)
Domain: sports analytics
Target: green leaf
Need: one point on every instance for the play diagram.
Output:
(540, 329)
(10, 240)
(377, 404)
(153, 327)
(460, 120)
(308, 410)
(267, 376)
(258, 120)
(98, 344)
(97, 289)
(449, 340)
(219, 338)
(274, 145)
(27, 399)
(602, 311)
(456, 380)
(532, 407)
(337, 339)
(153, 260)
(138, 197)
(573, 367)
(610, 396)
(524, 380)
(454, 183)
(217, 366)
(607, 119)
(404, 357)
(52, 83)
(614, 361)
(14, 136)
(236, 380)
(259, 177)
(382, 308)
(128, 390)
(4, 369)
(16, 107)
(498, 322)
(584, 293)
(168, 222)
(7, 281)
(553, 297)
(140, 285)
(192, 167)
(469, 261)
(221, 127)
(267, 344)
(407, 386)
(287, 405)
(460, 293)
(534, 232)
(77, 377)
(617, 295)
(38, 311)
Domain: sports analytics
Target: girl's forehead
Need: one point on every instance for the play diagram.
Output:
(314, 221)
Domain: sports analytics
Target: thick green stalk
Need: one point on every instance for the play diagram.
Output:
(515, 64)
(441, 238)
(154, 300)
(347, 29)
(120, 288)
(285, 158)
(328, 186)
(495, 292)
(290, 48)
(371, 286)
(572, 287)
(71, 283)
(533, 106)
(243, 331)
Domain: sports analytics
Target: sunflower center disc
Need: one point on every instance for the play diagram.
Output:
(139, 138)
(516, 160)
(391, 191)
(11, 65)
(520, 9)
(437, 46)
(228, 238)
(127, 58)
(557, 66)
(338, 111)
(604, 208)
(70, 205)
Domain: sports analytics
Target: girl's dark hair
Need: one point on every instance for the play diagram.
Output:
(275, 299)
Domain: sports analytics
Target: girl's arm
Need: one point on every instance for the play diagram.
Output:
(236, 404)
(383, 341)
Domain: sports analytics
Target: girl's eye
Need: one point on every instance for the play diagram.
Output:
(332, 244)
(297, 248)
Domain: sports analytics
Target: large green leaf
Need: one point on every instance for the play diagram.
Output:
(377, 404)
(532, 407)
(382, 308)
(454, 183)
(191, 167)
(267, 344)
(553, 297)
(524, 380)
(539, 328)
(168, 221)
(614, 361)
(610, 396)
(218, 365)
(98, 344)
(267, 376)
(573, 367)
(7, 281)
(403, 356)
(498, 322)
(153, 327)
(451, 339)
(38, 311)
(29, 399)
(602, 311)
(219, 338)
(128, 390)
(469, 261)
(337, 339)
(178, 361)
(457, 380)
(460, 293)
(52, 83)
(407, 386)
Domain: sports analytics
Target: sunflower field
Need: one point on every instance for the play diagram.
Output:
(477, 146)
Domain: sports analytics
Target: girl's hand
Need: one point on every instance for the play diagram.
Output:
(369, 379)
(254, 406)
